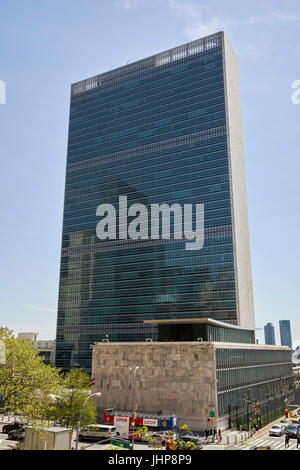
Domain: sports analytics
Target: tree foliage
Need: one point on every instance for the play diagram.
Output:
(68, 405)
(37, 392)
(26, 382)
(185, 429)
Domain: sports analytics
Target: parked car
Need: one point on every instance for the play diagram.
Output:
(296, 419)
(285, 422)
(17, 434)
(277, 430)
(97, 431)
(183, 442)
(293, 430)
(163, 435)
(12, 426)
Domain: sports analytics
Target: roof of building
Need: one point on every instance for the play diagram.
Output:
(209, 321)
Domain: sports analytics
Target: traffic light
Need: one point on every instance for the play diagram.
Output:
(134, 415)
(92, 381)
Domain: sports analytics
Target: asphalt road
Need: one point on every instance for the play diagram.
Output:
(7, 444)
(277, 443)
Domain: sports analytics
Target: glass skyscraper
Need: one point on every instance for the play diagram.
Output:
(165, 130)
(269, 334)
(285, 333)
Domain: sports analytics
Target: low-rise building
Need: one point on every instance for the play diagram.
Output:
(232, 383)
(46, 347)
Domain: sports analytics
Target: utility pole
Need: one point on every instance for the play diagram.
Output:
(134, 406)
(211, 413)
(98, 394)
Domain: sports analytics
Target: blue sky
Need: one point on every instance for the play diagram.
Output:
(46, 45)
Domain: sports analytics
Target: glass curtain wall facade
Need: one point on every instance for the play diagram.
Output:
(156, 132)
(269, 334)
(285, 333)
(250, 379)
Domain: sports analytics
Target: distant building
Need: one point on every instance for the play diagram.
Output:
(285, 333)
(296, 356)
(269, 334)
(30, 337)
(46, 347)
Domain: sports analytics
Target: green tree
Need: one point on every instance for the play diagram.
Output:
(5, 332)
(26, 383)
(67, 406)
(185, 429)
(143, 431)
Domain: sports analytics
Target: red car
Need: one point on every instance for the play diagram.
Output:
(12, 426)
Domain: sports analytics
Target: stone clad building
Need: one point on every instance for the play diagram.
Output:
(193, 378)
(177, 378)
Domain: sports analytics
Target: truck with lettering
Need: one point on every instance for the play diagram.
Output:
(124, 422)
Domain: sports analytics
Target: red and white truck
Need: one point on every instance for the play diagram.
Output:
(123, 421)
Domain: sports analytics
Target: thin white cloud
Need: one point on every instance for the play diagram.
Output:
(197, 29)
(253, 20)
(251, 51)
(187, 10)
(286, 18)
(43, 309)
(127, 4)
(296, 49)
(194, 16)
(44, 331)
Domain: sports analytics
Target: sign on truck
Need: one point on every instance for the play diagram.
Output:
(124, 421)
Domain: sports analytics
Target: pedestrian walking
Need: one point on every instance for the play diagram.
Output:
(168, 444)
(220, 435)
(298, 442)
(174, 445)
(287, 441)
(206, 433)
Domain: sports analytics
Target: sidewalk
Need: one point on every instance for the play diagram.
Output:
(230, 437)
(262, 432)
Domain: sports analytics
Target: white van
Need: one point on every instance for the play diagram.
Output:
(97, 431)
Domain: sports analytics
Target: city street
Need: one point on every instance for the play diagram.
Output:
(277, 443)
(7, 444)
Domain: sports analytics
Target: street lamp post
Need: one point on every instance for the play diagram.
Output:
(213, 410)
(133, 405)
(98, 394)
